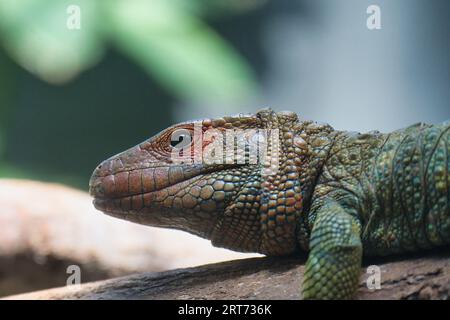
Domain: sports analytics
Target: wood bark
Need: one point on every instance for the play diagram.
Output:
(420, 276)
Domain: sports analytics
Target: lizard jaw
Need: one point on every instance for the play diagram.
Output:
(134, 203)
(178, 206)
(159, 209)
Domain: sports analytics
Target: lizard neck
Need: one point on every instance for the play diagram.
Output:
(275, 223)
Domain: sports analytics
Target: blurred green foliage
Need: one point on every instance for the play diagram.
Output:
(167, 38)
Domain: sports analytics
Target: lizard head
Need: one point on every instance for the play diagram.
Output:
(235, 180)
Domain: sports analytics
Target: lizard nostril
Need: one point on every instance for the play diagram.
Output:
(102, 169)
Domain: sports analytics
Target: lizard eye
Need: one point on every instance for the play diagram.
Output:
(180, 138)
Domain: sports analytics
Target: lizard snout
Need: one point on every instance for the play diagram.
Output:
(97, 181)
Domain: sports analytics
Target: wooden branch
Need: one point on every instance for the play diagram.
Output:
(48, 227)
(412, 277)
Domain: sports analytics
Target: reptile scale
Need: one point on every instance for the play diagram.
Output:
(336, 195)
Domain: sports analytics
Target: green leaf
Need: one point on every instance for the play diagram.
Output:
(181, 52)
(36, 35)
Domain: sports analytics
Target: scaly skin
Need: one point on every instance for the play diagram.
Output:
(336, 195)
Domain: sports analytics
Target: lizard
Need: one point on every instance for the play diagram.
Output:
(335, 196)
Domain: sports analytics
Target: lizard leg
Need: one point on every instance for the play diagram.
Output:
(334, 263)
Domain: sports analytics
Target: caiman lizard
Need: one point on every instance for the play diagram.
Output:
(334, 195)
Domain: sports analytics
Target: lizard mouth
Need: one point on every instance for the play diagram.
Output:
(141, 202)
(143, 190)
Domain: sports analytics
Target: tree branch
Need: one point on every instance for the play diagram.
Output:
(418, 277)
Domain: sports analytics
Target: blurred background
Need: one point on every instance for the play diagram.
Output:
(81, 80)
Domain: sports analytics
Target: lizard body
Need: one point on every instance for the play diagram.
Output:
(334, 194)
